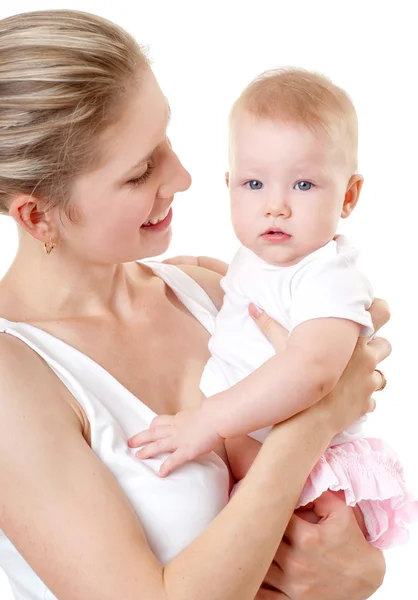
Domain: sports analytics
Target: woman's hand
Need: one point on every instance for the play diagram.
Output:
(207, 262)
(330, 560)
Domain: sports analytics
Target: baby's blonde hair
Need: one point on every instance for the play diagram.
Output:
(64, 75)
(302, 97)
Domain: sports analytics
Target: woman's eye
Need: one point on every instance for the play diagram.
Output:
(143, 178)
(254, 184)
(303, 186)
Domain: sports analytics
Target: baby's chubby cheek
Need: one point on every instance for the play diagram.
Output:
(245, 227)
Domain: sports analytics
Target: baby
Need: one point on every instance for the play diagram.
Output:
(292, 176)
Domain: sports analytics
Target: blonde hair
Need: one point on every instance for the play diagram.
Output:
(304, 98)
(63, 77)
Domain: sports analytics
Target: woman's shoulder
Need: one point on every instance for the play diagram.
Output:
(206, 272)
(15, 357)
(28, 385)
(208, 280)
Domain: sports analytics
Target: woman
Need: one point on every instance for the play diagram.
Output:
(95, 344)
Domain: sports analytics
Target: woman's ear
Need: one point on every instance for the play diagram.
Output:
(29, 214)
(227, 179)
(352, 195)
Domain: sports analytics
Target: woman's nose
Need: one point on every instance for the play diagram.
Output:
(177, 178)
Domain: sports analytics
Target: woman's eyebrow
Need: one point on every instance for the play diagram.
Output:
(143, 160)
(150, 154)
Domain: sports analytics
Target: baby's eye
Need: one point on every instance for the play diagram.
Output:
(254, 184)
(303, 186)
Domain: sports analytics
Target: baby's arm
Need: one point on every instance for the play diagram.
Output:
(314, 359)
(316, 354)
(330, 298)
(243, 449)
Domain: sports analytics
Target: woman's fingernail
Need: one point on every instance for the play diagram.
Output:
(255, 311)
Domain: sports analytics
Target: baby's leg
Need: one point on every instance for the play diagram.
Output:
(307, 513)
(241, 453)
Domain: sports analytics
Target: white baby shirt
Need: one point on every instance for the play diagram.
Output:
(326, 283)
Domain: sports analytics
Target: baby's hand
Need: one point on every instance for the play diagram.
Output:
(188, 434)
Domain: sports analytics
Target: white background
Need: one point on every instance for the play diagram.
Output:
(204, 53)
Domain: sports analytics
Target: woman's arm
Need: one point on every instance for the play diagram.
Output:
(334, 562)
(67, 516)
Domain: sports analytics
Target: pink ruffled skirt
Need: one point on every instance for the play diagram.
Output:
(370, 475)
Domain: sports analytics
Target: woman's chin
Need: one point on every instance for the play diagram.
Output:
(157, 246)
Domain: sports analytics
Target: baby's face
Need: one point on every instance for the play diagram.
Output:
(287, 188)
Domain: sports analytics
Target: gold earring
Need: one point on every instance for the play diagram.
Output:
(49, 246)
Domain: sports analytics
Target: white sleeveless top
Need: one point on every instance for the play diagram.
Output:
(173, 511)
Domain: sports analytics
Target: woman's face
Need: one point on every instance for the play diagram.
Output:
(134, 185)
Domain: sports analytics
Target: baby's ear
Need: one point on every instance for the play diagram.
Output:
(352, 195)
(227, 179)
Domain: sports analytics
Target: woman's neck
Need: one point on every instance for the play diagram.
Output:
(40, 287)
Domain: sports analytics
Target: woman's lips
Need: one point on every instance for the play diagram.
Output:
(161, 225)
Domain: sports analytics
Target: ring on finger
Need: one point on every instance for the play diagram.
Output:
(383, 382)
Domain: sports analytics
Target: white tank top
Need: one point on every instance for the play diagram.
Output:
(173, 511)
